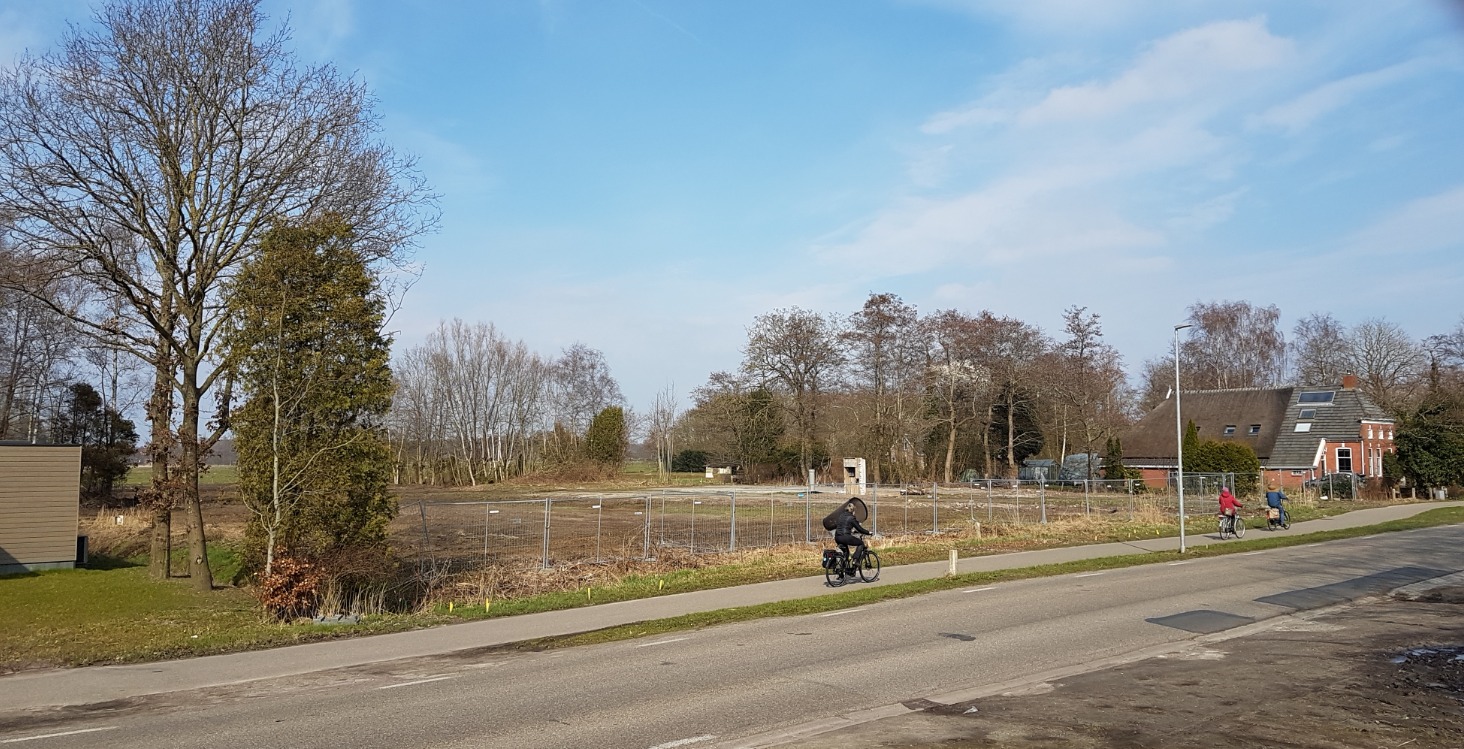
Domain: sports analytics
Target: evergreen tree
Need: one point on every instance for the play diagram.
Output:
(1430, 442)
(312, 364)
(107, 440)
(607, 438)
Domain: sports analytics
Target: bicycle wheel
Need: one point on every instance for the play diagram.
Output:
(1239, 530)
(869, 567)
(834, 576)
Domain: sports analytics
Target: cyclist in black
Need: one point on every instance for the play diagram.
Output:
(845, 527)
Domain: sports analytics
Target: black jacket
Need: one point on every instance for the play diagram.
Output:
(845, 524)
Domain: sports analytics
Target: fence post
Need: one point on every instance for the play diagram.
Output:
(1042, 495)
(732, 539)
(1130, 484)
(1087, 504)
(599, 519)
(646, 547)
(426, 540)
(1017, 485)
(807, 517)
(874, 499)
(934, 507)
(548, 509)
(694, 503)
(988, 501)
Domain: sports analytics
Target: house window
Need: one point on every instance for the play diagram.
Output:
(1298, 473)
(1303, 426)
(1369, 431)
(1316, 396)
(1229, 429)
(1308, 413)
(1344, 460)
(1255, 429)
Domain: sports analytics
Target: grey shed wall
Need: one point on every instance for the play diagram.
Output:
(40, 489)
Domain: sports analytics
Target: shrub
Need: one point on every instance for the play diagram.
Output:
(291, 589)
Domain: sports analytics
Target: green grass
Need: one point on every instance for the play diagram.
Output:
(114, 613)
(212, 476)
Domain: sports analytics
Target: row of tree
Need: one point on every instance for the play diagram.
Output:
(926, 397)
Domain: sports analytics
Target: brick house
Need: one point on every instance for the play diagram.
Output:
(1299, 433)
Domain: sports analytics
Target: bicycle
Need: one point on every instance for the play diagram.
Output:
(1276, 517)
(1232, 526)
(840, 569)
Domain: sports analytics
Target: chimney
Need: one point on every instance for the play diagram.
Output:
(1349, 382)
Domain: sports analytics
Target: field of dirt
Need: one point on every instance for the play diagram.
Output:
(1384, 673)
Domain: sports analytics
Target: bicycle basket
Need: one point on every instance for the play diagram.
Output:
(831, 559)
(1273, 513)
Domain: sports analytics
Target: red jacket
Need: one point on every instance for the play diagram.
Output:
(1228, 502)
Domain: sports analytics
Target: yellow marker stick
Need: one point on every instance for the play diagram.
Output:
(661, 585)
(449, 607)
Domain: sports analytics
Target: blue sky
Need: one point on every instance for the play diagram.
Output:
(647, 176)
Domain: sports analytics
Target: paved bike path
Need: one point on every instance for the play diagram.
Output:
(82, 686)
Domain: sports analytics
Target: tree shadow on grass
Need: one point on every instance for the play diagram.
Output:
(106, 562)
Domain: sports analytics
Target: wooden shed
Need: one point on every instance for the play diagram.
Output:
(40, 494)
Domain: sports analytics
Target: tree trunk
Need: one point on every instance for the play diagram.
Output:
(198, 569)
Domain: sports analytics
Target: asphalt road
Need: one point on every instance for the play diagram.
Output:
(764, 682)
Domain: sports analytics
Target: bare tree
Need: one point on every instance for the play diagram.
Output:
(469, 406)
(957, 380)
(662, 423)
(1234, 345)
(583, 387)
(150, 151)
(1320, 350)
(1086, 380)
(1389, 363)
(886, 346)
(798, 351)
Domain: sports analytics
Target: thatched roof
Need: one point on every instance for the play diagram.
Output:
(1151, 442)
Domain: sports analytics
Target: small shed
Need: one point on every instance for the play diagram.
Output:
(40, 494)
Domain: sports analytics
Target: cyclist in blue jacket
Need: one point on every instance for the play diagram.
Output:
(1276, 498)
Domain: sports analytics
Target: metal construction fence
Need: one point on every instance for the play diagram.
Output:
(601, 528)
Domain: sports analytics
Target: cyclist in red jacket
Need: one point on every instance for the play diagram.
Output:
(1228, 505)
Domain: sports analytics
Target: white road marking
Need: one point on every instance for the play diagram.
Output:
(841, 613)
(662, 642)
(419, 681)
(1176, 564)
(1089, 574)
(684, 742)
(1248, 553)
(980, 590)
(54, 735)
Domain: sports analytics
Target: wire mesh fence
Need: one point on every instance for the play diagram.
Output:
(605, 528)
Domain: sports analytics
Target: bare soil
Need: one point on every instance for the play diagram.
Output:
(1377, 673)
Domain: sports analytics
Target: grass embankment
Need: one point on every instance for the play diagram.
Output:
(116, 614)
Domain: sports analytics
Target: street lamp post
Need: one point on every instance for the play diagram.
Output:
(1179, 437)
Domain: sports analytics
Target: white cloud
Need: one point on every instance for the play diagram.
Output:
(1423, 225)
(1296, 115)
(1206, 214)
(1176, 67)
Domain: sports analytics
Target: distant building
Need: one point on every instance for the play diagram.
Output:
(1299, 433)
